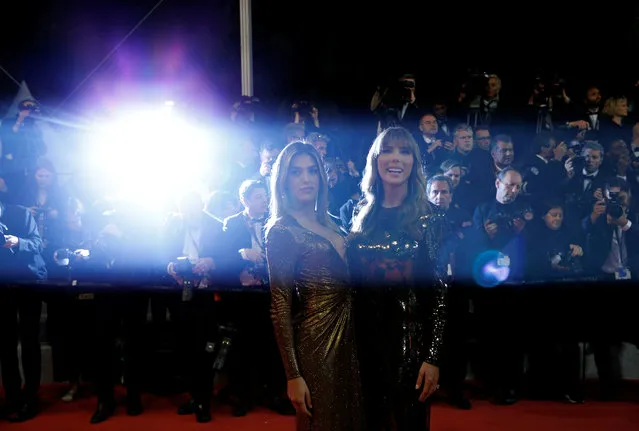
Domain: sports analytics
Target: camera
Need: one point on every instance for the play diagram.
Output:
(507, 218)
(565, 259)
(183, 267)
(65, 256)
(578, 162)
(397, 94)
(614, 207)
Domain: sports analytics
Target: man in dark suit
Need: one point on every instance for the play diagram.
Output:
(194, 234)
(543, 171)
(20, 262)
(612, 255)
(585, 181)
(245, 267)
(501, 225)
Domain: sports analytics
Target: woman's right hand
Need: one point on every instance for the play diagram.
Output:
(299, 395)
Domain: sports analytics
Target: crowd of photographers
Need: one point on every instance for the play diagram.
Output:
(536, 193)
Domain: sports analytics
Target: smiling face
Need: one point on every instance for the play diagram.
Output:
(395, 163)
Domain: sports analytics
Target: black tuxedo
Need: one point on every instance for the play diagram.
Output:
(412, 114)
(432, 160)
(579, 202)
(249, 312)
(541, 178)
(237, 235)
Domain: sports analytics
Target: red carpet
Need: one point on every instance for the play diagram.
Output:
(160, 415)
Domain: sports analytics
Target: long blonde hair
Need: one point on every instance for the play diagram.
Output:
(414, 206)
(279, 176)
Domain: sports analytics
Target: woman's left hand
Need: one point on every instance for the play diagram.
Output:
(428, 377)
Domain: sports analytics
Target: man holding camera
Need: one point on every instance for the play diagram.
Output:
(245, 267)
(611, 251)
(611, 231)
(396, 104)
(501, 225)
(584, 179)
(20, 262)
(192, 241)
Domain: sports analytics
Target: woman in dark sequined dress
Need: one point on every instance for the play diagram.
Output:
(400, 302)
(310, 296)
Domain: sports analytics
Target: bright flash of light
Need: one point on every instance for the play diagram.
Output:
(151, 157)
(491, 268)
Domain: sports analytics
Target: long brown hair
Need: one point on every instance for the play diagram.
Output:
(278, 190)
(414, 206)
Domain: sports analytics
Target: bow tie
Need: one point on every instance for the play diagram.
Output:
(590, 176)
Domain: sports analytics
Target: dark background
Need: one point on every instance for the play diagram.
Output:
(328, 49)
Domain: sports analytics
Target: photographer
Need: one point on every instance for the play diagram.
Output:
(305, 113)
(22, 144)
(486, 107)
(20, 262)
(584, 181)
(191, 244)
(543, 170)
(611, 255)
(269, 150)
(555, 251)
(611, 234)
(395, 104)
(122, 258)
(245, 269)
(550, 100)
(501, 225)
(246, 111)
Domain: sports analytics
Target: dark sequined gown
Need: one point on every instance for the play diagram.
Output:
(399, 314)
(312, 314)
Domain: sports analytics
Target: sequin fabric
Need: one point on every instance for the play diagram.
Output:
(311, 309)
(400, 316)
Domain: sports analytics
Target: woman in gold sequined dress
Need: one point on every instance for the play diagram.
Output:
(400, 302)
(310, 296)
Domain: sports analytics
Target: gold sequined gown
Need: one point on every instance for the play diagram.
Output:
(400, 315)
(312, 315)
